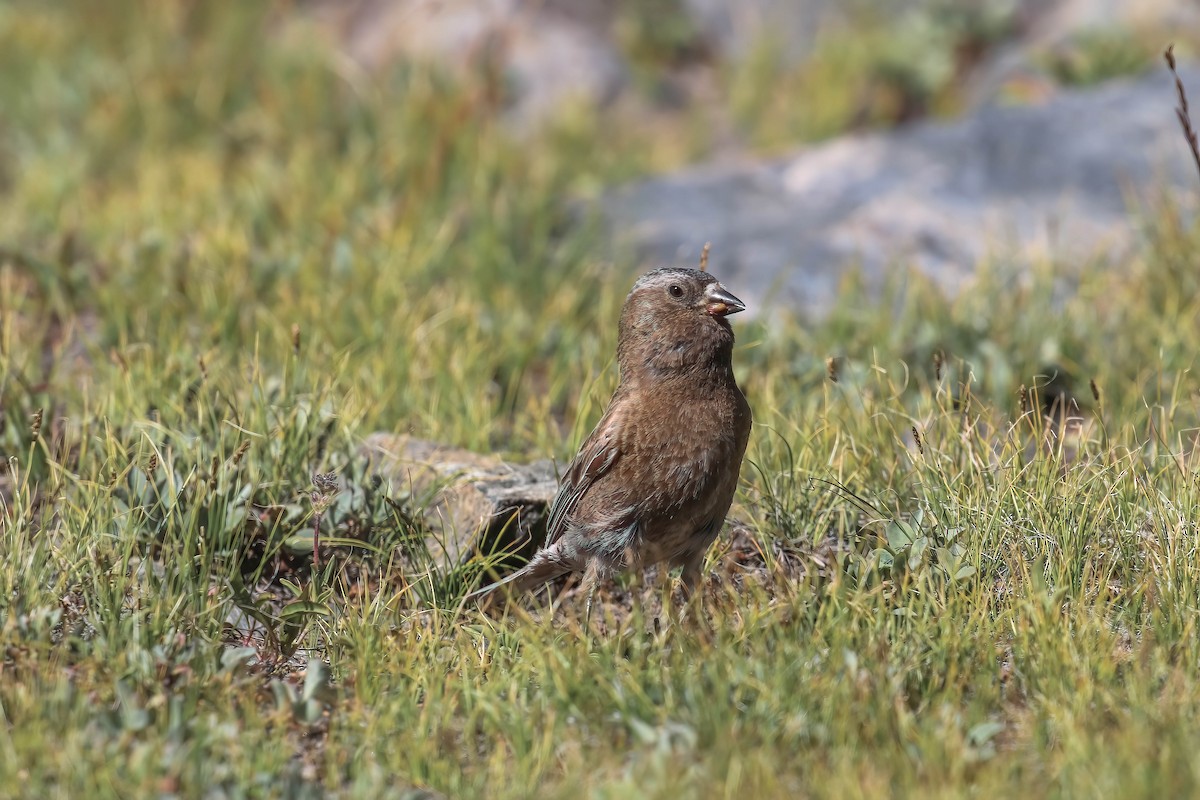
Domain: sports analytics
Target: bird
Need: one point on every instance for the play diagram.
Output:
(654, 480)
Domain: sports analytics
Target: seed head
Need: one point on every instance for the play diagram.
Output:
(241, 451)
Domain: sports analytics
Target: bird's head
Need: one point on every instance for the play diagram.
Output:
(674, 319)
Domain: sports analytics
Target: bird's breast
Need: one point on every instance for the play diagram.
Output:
(691, 443)
(681, 448)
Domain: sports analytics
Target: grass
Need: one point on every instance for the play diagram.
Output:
(226, 259)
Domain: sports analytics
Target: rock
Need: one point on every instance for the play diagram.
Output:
(1079, 39)
(1014, 182)
(1059, 22)
(547, 56)
(473, 504)
(549, 53)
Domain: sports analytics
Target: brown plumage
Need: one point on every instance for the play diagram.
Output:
(655, 479)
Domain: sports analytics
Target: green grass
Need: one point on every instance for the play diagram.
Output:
(225, 259)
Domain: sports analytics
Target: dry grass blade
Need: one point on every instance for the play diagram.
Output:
(704, 256)
(1185, 119)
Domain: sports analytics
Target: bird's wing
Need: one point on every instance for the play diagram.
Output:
(596, 457)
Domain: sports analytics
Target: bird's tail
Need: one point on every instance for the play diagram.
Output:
(545, 566)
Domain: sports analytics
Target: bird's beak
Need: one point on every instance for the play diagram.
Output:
(719, 302)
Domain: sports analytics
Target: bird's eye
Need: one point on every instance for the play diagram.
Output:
(676, 290)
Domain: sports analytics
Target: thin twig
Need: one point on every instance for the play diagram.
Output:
(704, 257)
(1185, 120)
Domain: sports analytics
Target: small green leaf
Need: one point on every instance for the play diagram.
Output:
(900, 535)
(645, 733)
(916, 553)
(234, 657)
(313, 710)
(984, 732)
(133, 716)
(964, 572)
(299, 543)
(316, 678)
(286, 696)
(341, 541)
(304, 608)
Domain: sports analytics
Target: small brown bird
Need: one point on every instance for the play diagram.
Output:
(654, 480)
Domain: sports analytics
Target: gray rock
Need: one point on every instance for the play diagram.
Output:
(1064, 20)
(1016, 183)
(546, 56)
(472, 504)
(1055, 33)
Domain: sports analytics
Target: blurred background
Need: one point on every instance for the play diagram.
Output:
(769, 72)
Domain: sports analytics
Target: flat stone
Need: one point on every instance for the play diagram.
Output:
(1016, 183)
(474, 505)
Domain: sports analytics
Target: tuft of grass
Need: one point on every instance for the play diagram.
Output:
(878, 68)
(1098, 55)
